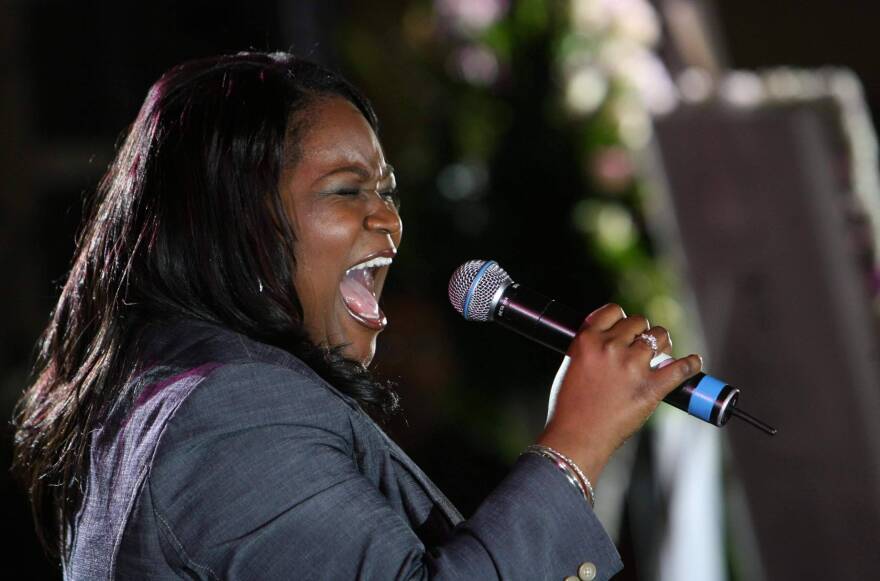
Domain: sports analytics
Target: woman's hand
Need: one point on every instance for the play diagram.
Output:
(609, 390)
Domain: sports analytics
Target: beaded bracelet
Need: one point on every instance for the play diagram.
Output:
(568, 467)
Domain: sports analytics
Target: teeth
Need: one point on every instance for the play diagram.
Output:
(377, 262)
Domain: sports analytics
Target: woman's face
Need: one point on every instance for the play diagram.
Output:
(338, 199)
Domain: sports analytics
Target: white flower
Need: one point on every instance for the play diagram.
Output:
(589, 16)
(640, 69)
(585, 90)
(633, 122)
(635, 20)
(610, 224)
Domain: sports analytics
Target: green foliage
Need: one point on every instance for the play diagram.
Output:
(453, 94)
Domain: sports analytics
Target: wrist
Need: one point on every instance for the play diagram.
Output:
(569, 468)
(590, 459)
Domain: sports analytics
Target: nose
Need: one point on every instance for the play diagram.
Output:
(383, 216)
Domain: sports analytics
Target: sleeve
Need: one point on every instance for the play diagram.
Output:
(256, 478)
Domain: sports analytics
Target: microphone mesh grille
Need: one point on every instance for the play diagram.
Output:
(471, 278)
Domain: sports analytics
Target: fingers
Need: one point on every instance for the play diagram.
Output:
(626, 330)
(664, 341)
(661, 335)
(611, 322)
(673, 374)
(605, 317)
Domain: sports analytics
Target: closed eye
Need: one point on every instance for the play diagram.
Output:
(393, 196)
(347, 192)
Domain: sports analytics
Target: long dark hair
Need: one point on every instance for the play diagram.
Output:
(186, 223)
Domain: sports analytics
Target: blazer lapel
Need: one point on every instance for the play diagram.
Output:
(277, 356)
(434, 493)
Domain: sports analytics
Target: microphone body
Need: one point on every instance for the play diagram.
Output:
(482, 291)
(554, 325)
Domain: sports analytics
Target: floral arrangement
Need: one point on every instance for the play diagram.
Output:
(609, 84)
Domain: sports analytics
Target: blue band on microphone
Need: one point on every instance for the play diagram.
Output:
(704, 396)
(473, 287)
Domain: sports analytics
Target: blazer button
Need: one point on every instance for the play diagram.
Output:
(587, 571)
(571, 578)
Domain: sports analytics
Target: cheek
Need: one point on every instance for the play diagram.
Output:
(327, 243)
(325, 238)
(314, 232)
(308, 250)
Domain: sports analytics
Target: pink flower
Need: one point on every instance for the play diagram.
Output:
(470, 15)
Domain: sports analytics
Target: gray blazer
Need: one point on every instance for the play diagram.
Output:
(234, 460)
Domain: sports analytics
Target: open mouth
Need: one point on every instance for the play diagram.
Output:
(358, 290)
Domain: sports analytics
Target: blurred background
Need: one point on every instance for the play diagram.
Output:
(712, 164)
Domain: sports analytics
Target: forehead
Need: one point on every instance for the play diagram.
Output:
(337, 134)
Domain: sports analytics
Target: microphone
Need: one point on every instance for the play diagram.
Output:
(480, 290)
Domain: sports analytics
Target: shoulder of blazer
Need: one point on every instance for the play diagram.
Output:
(190, 342)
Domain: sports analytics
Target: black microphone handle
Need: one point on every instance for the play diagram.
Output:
(554, 325)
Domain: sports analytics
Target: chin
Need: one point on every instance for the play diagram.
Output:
(359, 338)
(364, 353)
(359, 343)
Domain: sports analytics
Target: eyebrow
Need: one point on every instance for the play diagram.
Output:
(362, 172)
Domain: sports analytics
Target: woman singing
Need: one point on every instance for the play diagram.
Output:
(202, 406)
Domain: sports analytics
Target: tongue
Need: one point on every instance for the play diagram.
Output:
(358, 298)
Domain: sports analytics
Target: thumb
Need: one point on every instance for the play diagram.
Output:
(672, 374)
